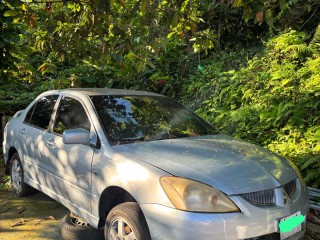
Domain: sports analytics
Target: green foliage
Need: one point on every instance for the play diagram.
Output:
(9, 39)
(281, 14)
(273, 100)
(103, 44)
(5, 183)
(195, 51)
(84, 75)
(316, 38)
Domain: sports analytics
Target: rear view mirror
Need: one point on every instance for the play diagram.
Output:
(76, 136)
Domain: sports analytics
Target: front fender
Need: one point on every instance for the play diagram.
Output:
(138, 178)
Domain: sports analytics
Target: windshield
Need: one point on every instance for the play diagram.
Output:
(128, 119)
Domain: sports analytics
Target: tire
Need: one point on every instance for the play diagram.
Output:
(130, 217)
(20, 188)
(73, 228)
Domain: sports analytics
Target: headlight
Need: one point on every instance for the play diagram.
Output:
(189, 195)
(299, 175)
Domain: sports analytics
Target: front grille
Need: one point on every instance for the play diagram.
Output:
(290, 188)
(262, 198)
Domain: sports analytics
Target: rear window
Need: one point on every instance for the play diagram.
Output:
(29, 114)
(40, 114)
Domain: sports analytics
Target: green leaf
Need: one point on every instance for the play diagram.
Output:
(196, 47)
(200, 68)
(47, 67)
(170, 35)
(151, 64)
(23, 7)
(10, 13)
(248, 16)
(140, 66)
(237, 3)
(269, 17)
(285, 82)
(268, 14)
(309, 7)
(282, 4)
(184, 5)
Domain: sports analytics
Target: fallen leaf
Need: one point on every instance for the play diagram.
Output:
(36, 222)
(17, 224)
(22, 210)
(24, 220)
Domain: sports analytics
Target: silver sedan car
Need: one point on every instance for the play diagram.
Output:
(143, 167)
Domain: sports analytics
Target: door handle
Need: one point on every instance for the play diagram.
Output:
(22, 131)
(50, 143)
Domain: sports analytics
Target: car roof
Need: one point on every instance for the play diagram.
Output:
(104, 91)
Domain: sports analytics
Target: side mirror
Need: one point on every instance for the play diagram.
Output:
(76, 136)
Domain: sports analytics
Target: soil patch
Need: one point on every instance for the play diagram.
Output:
(33, 217)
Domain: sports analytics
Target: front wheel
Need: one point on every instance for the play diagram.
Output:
(16, 173)
(126, 222)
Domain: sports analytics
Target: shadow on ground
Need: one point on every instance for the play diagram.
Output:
(33, 217)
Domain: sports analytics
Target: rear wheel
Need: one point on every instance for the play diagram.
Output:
(126, 222)
(17, 177)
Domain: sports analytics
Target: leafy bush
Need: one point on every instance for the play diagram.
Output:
(5, 184)
(273, 100)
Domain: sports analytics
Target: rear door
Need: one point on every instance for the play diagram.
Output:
(32, 131)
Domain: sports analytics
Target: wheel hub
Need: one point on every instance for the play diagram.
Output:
(16, 175)
(78, 220)
(120, 230)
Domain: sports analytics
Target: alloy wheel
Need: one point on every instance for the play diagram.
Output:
(120, 230)
(16, 175)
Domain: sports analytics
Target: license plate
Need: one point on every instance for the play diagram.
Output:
(291, 225)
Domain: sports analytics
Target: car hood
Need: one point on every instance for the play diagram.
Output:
(230, 165)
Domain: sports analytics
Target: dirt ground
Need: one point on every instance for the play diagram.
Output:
(34, 217)
(313, 226)
(38, 217)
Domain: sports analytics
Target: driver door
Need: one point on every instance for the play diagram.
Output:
(70, 164)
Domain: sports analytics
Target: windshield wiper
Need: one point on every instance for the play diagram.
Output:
(127, 140)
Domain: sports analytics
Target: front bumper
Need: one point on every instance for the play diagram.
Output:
(168, 223)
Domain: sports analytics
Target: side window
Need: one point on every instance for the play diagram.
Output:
(42, 111)
(29, 114)
(70, 115)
